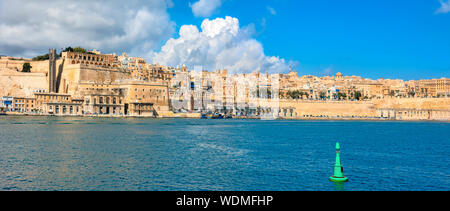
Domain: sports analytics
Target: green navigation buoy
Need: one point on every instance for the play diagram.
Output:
(338, 175)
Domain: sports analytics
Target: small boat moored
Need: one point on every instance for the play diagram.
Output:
(217, 116)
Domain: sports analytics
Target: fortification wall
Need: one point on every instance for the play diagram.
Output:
(413, 103)
(74, 74)
(304, 108)
(42, 66)
(18, 84)
(6, 63)
(100, 75)
(391, 108)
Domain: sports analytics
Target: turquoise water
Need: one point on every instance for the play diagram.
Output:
(50, 153)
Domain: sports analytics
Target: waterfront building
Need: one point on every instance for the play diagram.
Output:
(106, 84)
(6, 102)
(24, 104)
(146, 98)
(58, 104)
(98, 84)
(102, 99)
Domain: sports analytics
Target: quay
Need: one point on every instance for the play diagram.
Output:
(92, 84)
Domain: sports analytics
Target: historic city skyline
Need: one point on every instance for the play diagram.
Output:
(80, 82)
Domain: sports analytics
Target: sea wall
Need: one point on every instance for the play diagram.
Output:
(389, 108)
(332, 109)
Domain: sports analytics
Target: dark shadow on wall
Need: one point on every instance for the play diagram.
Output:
(58, 79)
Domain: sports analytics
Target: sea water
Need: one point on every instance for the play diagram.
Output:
(80, 153)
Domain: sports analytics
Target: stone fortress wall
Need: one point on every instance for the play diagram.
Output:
(21, 84)
(388, 108)
(74, 71)
(330, 109)
(16, 83)
(13, 82)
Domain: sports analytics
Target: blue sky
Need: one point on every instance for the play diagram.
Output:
(383, 38)
(405, 39)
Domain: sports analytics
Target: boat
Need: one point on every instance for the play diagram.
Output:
(204, 116)
(217, 116)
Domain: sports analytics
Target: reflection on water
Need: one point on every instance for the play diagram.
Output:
(339, 186)
(51, 153)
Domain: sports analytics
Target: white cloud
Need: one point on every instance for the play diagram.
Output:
(272, 10)
(205, 8)
(31, 27)
(221, 44)
(445, 7)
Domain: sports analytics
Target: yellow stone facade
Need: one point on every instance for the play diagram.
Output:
(106, 84)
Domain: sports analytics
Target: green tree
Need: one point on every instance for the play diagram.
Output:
(26, 67)
(296, 94)
(322, 95)
(79, 49)
(68, 49)
(41, 57)
(341, 96)
(357, 95)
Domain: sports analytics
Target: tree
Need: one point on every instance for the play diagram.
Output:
(392, 93)
(26, 67)
(68, 49)
(76, 49)
(79, 49)
(295, 94)
(41, 57)
(357, 95)
(322, 95)
(341, 96)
